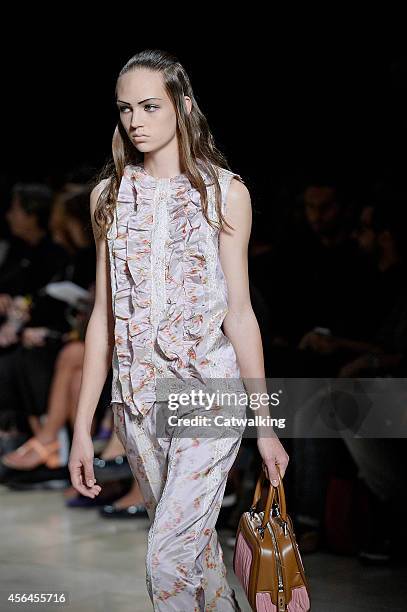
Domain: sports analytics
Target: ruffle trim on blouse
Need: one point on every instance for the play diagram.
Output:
(180, 330)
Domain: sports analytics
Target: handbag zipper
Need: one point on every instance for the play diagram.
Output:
(281, 594)
(279, 570)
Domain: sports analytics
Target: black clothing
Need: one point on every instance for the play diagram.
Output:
(27, 267)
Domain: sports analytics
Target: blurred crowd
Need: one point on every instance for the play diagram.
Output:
(329, 291)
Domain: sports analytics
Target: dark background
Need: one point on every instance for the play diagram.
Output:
(309, 107)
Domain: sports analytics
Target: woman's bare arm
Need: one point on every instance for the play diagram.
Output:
(99, 343)
(99, 339)
(240, 324)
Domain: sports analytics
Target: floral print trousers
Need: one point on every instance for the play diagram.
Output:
(182, 479)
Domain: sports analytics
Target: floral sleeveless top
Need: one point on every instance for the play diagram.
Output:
(169, 292)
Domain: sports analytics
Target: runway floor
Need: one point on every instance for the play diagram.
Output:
(47, 547)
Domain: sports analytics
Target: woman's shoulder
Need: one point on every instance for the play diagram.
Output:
(226, 175)
(99, 187)
(96, 192)
(236, 194)
(231, 182)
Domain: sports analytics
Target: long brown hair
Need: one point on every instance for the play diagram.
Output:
(195, 141)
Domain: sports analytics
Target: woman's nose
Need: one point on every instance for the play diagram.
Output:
(135, 122)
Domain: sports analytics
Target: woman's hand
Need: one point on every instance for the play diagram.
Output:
(81, 465)
(272, 452)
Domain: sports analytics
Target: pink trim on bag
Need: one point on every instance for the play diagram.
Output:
(264, 603)
(243, 561)
(299, 601)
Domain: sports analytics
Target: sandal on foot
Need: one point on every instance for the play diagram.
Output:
(48, 453)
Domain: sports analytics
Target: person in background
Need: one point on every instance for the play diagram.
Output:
(32, 257)
(29, 367)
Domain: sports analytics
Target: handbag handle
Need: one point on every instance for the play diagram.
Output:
(279, 491)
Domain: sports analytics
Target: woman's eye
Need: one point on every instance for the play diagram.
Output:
(146, 106)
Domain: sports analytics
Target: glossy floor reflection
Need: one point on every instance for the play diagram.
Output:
(46, 547)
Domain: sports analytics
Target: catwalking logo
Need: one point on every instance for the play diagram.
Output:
(214, 401)
(222, 421)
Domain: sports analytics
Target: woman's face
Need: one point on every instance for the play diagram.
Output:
(146, 110)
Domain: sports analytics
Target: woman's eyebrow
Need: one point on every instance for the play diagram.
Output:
(141, 101)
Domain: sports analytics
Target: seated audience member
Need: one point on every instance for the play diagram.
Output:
(379, 461)
(316, 271)
(380, 237)
(32, 257)
(28, 368)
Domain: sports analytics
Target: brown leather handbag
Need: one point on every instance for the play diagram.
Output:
(266, 558)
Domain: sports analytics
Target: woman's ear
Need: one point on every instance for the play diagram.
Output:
(188, 104)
